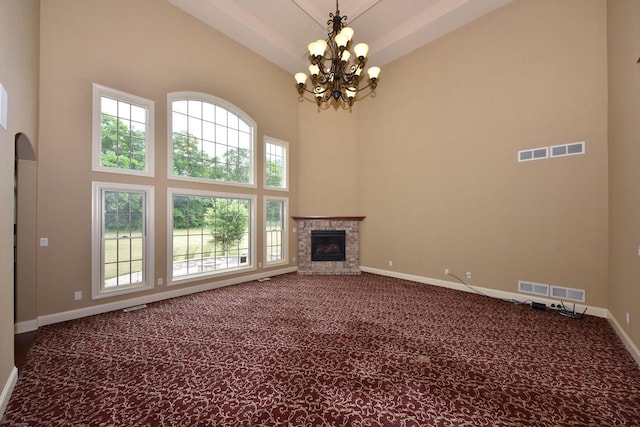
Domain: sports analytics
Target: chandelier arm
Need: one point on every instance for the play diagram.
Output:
(325, 90)
(372, 84)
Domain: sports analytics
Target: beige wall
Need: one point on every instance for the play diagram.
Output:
(438, 173)
(328, 161)
(147, 48)
(624, 153)
(19, 76)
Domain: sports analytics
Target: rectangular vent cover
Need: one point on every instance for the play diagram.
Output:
(568, 293)
(533, 154)
(533, 288)
(572, 149)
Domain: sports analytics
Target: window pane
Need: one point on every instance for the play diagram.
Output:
(195, 109)
(232, 121)
(138, 114)
(119, 239)
(109, 106)
(123, 219)
(208, 112)
(221, 116)
(110, 251)
(217, 238)
(137, 275)
(123, 143)
(136, 249)
(138, 130)
(221, 134)
(180, 107)
(124, 110)
(179, 123)
(274, 225)
(275, 163)
(194, 134)
(195, 127)
(110, 273)
(124, 249)
(208, 131)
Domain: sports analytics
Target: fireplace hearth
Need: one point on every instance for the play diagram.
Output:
(328, 245)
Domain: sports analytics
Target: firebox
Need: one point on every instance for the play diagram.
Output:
(328, 245)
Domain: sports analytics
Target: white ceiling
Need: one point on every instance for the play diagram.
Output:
(279, 30)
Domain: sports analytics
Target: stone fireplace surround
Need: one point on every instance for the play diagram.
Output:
(351, 225)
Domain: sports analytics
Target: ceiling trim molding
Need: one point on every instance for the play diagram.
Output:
(265, 28)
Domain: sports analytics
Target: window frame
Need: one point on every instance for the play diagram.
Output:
(285, 178)
(98, 92)
(97, 253)
(285, 231)
(251, 266)
(219, 102)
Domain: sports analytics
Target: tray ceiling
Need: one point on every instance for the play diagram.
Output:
(279, 30)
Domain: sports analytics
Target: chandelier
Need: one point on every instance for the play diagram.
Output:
(335, 72)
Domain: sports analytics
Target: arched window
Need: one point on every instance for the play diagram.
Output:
(210, 140)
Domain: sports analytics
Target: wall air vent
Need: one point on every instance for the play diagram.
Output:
(533, 154)
(572, 149)
(567, 293)
(533, 288)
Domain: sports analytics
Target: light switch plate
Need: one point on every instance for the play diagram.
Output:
(4, 100)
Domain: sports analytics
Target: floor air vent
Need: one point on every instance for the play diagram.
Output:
(567, 293)
(533, 288)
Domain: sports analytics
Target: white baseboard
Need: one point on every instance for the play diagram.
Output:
(633, 349)
(594, 311)
(64, 316)
(7, 390)
(26, 326)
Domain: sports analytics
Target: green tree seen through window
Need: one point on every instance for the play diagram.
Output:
(122, 147)
(228, 222)
(189, 159)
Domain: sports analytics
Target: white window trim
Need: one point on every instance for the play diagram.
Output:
(96, 241)
(285, 231)
(285, 144)
(199, 96)
(209, 274)
(98, 92)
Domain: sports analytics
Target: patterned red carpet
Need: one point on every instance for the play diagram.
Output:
(328, 351)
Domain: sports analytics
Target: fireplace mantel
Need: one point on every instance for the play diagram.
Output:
(350, 224)
(329, 218)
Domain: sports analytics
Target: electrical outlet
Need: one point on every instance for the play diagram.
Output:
(628, 320)
(468, 275)
(44, 241)
(390, 263)
(160, 281)
(77, 295)
(446, 271)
